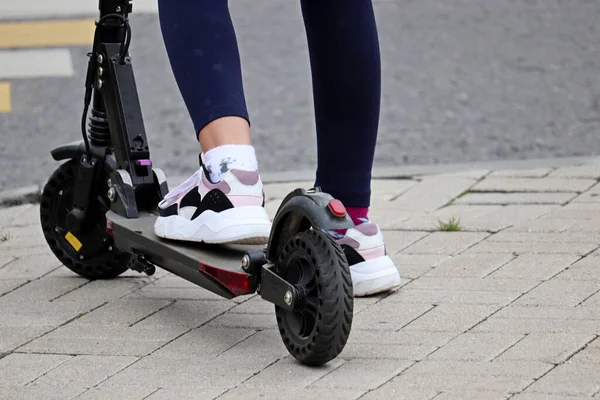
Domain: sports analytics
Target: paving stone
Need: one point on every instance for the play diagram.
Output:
(455, 376)
(589, 355)
(559, 293)
(288, 374)
(186, 393)
(473, 395)
(593, 301)
(476, 346)
(457, 296)
(397, 241)
(351, 374)
(414, 265)
(577, 171)
(545, 237)
(390, 217)
(527, 395)
(102, 291)
(12, 337)
(509, 215)
(578, 212)
(516, 198)
(45, 392)
(5, 259)
(123, 312)
(543, 225)
(29, 267)
(9, 216)
(281, 189)
(471, 174)
(388, 315)
(586, 269)
(77, 338)
(590, 196)
(451, 318)
(20, 369)
(258, 350)
(168, 372)
(37, 314)
(569, 379)
(524, 173)
(205, 340)
(552, 348)
(400, 338)
(9, 285)
(388, 391)
(542, 319)
(519, 248)
(251, 321)
(432, 193)
(265, 393)
(535, 266)
(470, 265)
(450, 243)
(492, 184)
(126, 392)
(44, 290)
(97, 369)
(473, 284)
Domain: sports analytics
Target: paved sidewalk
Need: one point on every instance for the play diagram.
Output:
(507, 307)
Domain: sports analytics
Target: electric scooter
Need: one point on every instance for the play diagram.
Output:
(98, 210)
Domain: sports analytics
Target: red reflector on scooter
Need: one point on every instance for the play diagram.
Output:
(337, 208)
(238, 283)
(109, 228)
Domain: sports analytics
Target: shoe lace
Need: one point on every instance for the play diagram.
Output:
(183, 188)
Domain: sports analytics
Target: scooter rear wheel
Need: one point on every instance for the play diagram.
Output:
(318, 330)
(90, 253)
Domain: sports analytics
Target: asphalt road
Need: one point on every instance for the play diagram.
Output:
(464, 80)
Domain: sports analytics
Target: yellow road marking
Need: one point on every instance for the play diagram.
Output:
(51, 33)
(5, 105)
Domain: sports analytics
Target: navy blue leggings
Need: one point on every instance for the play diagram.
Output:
(346, 77)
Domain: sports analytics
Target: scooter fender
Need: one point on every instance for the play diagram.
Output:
(302, 210)
(68, 151)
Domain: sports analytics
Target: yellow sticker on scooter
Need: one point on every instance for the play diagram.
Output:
(73, 241)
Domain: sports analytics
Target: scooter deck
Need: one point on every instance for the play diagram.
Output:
(214, 267)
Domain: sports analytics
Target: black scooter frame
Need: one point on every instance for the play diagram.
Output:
(116, 145)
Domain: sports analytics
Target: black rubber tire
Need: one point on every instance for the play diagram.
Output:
(99, 262)
(317, 266)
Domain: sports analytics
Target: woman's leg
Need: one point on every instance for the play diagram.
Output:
(202, 47)
(346, 74)
(223, 203)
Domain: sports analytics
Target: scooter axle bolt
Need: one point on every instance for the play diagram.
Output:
(245, 263)
(288, 298)
(112, 194)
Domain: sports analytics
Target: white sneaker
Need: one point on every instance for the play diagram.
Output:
(372, 270)
(231, 211)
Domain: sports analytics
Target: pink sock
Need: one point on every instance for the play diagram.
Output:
(356, 213)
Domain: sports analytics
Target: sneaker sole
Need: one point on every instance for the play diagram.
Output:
(241, 225)
(374, 276)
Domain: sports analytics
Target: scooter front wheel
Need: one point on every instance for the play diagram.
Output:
(318, 329)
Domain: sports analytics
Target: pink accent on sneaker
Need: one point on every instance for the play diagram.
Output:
(357, 212)
(222, 186)
(367, 229)
(348, 242)
(373, 252)
(245, 200)
(246, 177)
